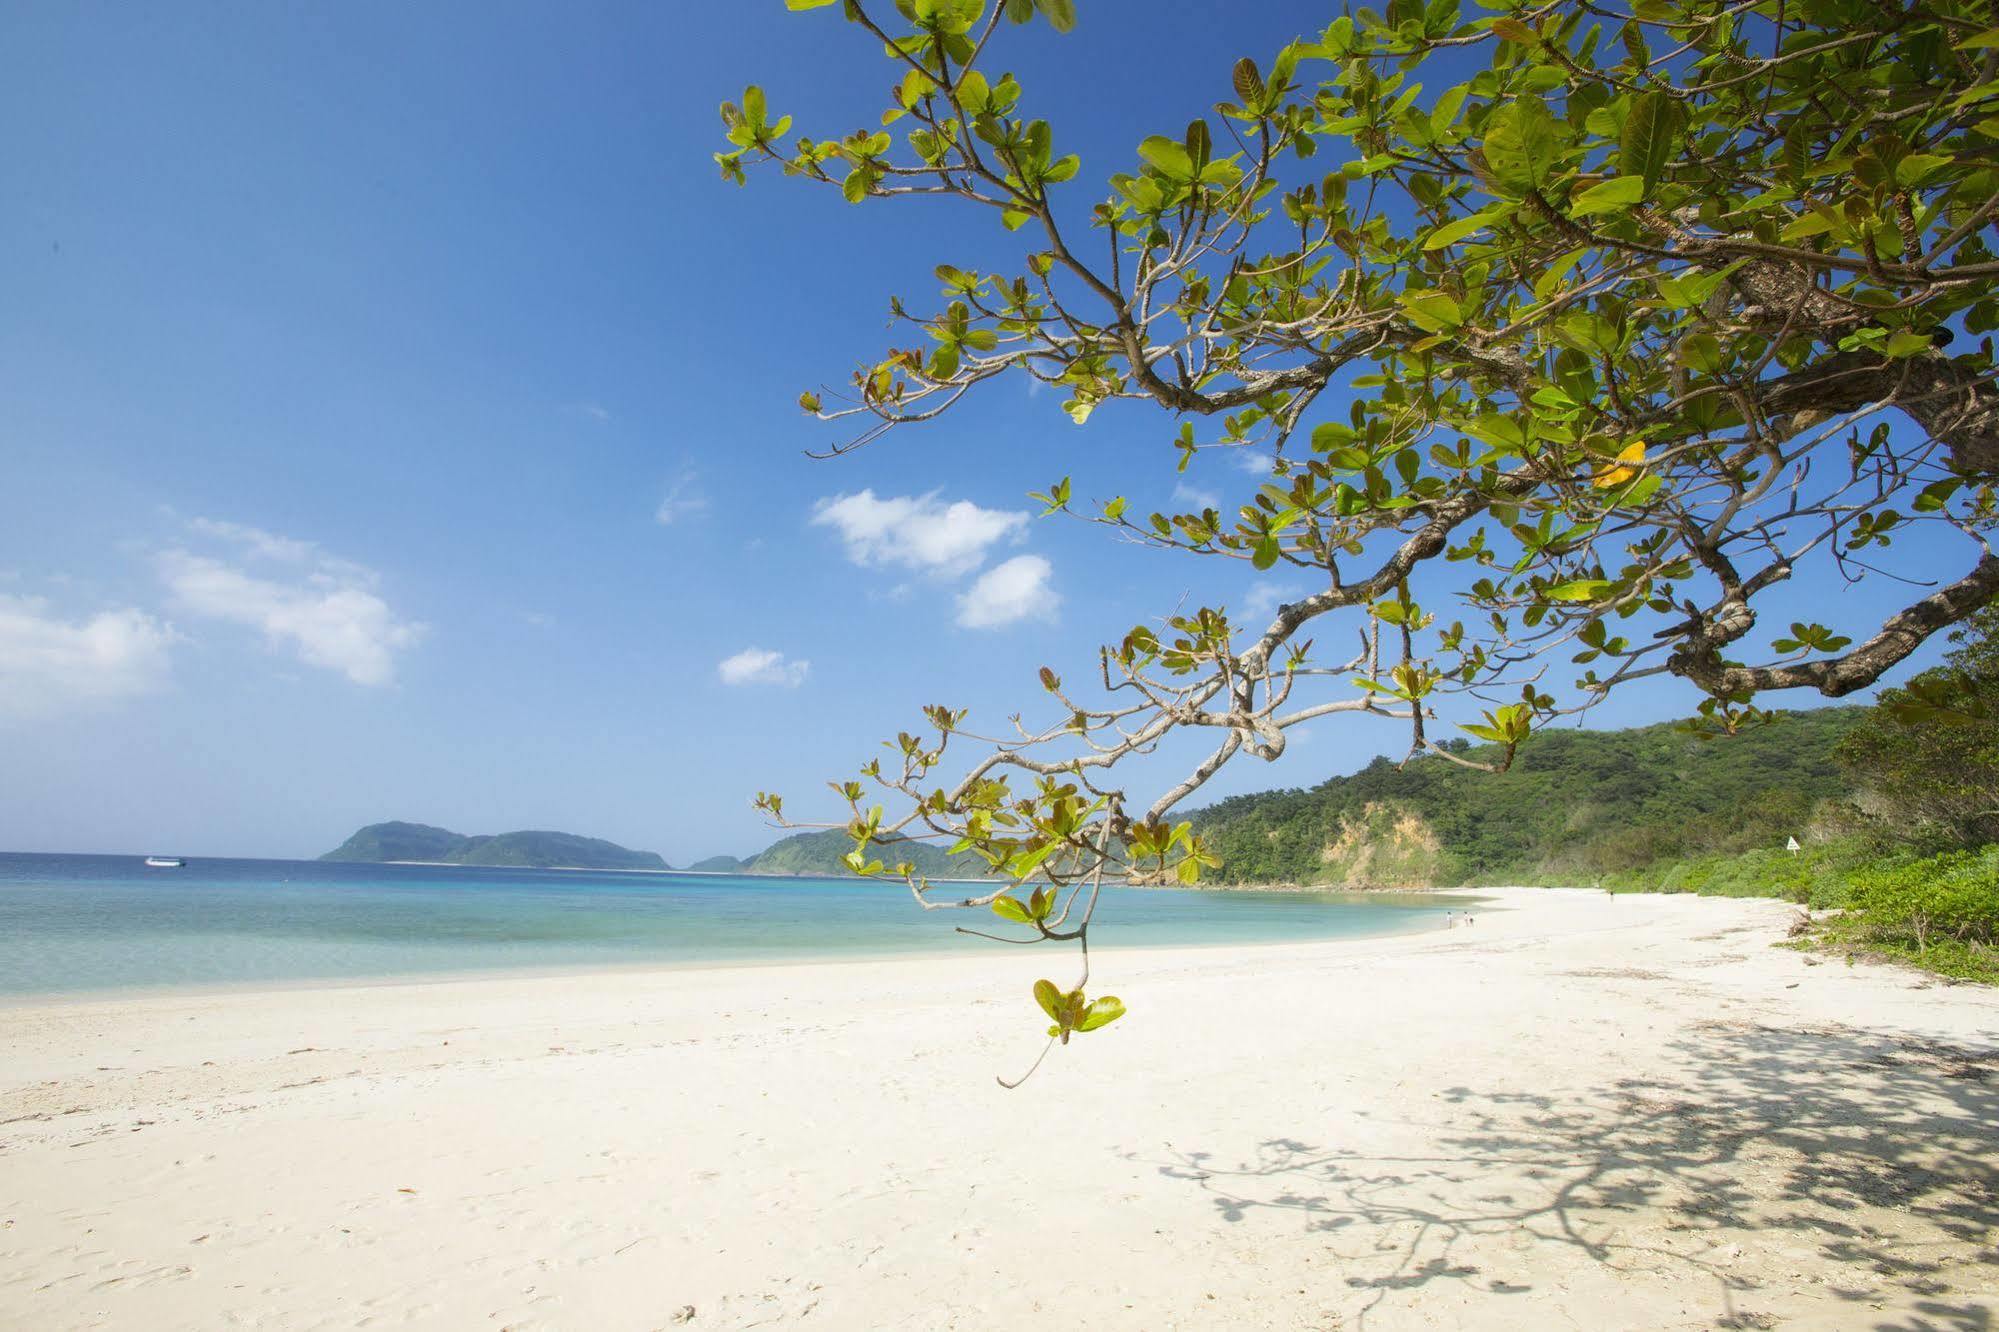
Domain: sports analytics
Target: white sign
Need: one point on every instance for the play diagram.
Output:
(1791, 844)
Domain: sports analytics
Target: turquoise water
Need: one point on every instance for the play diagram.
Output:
(74, 923)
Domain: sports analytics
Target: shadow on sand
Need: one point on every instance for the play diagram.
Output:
(1755, 1168)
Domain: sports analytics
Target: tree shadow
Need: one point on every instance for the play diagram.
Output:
(1769, 1164)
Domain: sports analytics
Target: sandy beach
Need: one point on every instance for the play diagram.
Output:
(1579, 1112)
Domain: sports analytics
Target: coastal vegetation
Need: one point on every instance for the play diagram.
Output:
(1564, 339)
(1909, 860)
(1884, 814)
(396, 841)
(1572, 807)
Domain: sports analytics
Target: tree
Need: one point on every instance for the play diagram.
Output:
(1572, 330)
(1931, 751)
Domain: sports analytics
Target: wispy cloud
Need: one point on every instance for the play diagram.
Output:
(50, 665)
(1253, 462)
(324, 609)
(1009, 592)
(917, 531)
(681, 499)
(1195, 497)
(255, 540)
(1264, 598)
(757, 666)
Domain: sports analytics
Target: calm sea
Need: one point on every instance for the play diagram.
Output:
(70, 923)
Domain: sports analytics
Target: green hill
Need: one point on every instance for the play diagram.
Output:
(398, 841)
(822, 853)
(380, 842)
(1576, 805)
(717, 865)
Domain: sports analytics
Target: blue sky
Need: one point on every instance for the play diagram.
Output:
(398, 421)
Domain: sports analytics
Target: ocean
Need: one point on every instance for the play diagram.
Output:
(86, 923)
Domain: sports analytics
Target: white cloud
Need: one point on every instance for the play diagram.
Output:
(255, 540)
(1196, 497)
(681, 499)
(1008, 592)
(917, 531)
(50, 665)
(757, 666)
(1255, 462)
(1264, 599)
(329, 613)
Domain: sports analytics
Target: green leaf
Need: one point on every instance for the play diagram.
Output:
(1101, 1013)
(806, 4)
(1049, 998)
(1918, 167)
(974, 92)
(1061, 13)
(1023, 865)
(1012, 908)
(1701, 353)
(1247, 81)
(1169, 157)
(1584, 589)
(1556, 272)
(1651, 134)
(1432, 311)
(1904, 342)
(1808, 224)
(1617, 192)
(1445, 113)
(1265, 554)
(1452, 232)
(1522, 148)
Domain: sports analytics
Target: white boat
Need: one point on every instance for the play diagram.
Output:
(165, 862)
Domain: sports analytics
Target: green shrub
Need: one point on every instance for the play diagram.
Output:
(1950, 896)
(1817, 876)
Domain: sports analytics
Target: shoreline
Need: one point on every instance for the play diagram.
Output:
(505, 972)
(1634, 1112)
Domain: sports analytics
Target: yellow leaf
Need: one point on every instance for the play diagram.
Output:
(1626, 467)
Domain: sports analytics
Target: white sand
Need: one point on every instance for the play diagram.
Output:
(1581, 1112)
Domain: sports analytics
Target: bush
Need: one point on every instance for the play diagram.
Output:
(1818, 876)
(1950, 896)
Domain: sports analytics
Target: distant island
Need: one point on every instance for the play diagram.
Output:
(822, 855)
(381, 843)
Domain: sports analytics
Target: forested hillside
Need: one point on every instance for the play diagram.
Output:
(821, 854)
(1576, 805)
(397, 841)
